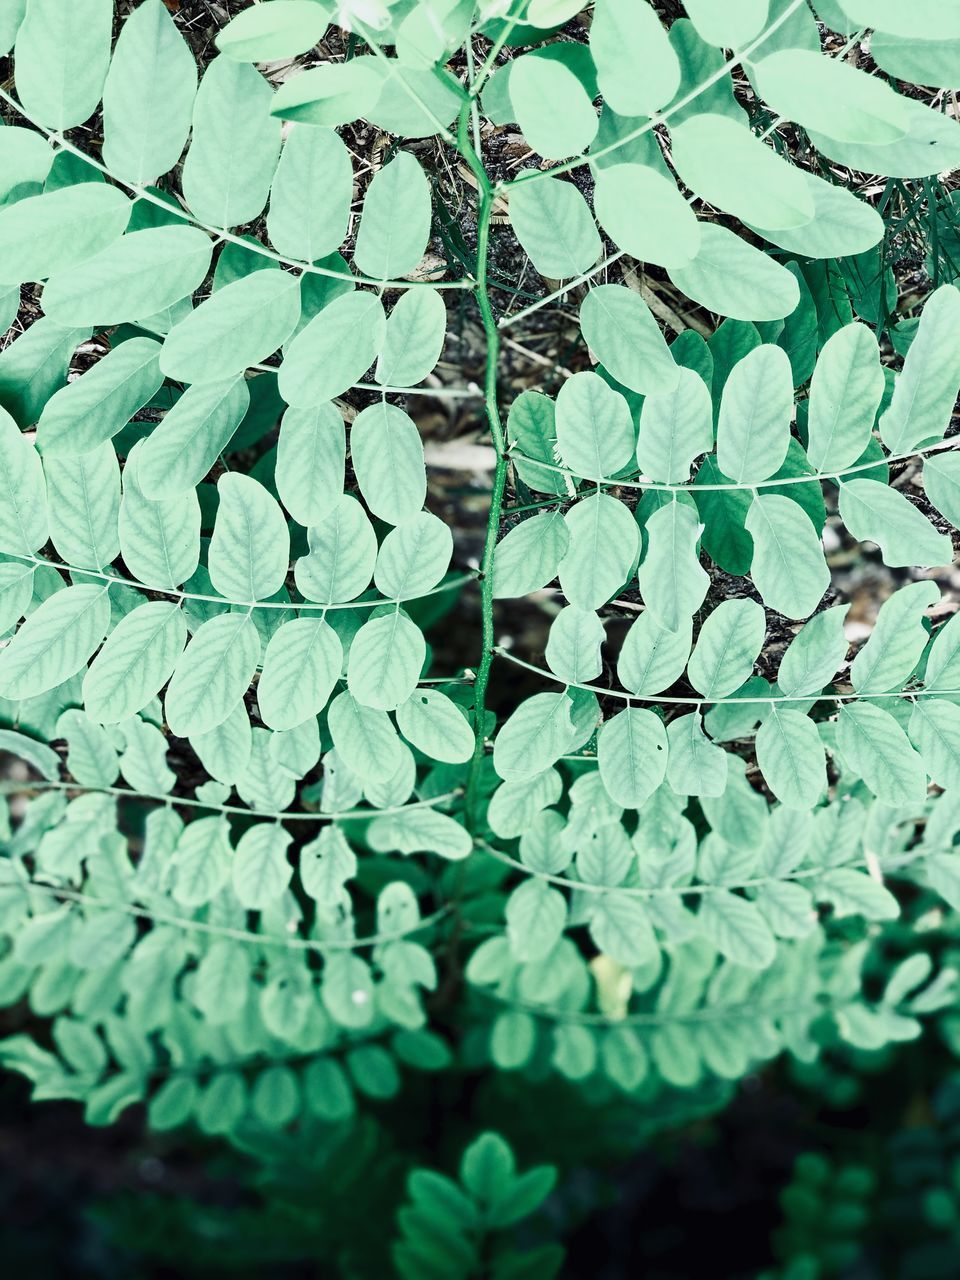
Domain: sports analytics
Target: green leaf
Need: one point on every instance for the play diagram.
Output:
(301, 666)
(594, 427)
(899, 638)
(602, 551)
(49, 233)
(61, 59)
(789, 569)
(531, 427)
(311, 193)
(753, 430)
(148, 96)
(730, 25)
(728, 645)
(537, 733)
(184, 446)
(386, 657)
(931, 146)
(212, 675)
(434, 724)
(918, 61)
(842, 225)
(620, 927)
(136, 661)
(942, 671)
(668, 234)
(620, 330)
(935, 732)
(814, 655)
(420, 831)
(536, 915)
(250, 547)
(36, 754)
(91, 758)
(941, 484)
(413, 339)
(23, 509)
(83, 498)
(873, 512)
(652, 658)
(626, 35)
(99, 404)
(672, 581)
(925, 393)
(632, 756)
(343, 552)
(830, 95)
(224, 751)
(237, 326)
(675, 427)
(413, 557)
(395, 223)
(695, 765)
(552, 108)
(879, 750)
(855, 893)
(55, 642)
(573, 645)
(364, 738)
(277, 30)
(790, 756)
(737, 929)
(16, 593)
(34, 366)
(311, 453)
(233, 152)
(159, 541)
(260, 870)
(331, 94)
(529, 555)
(554, 225)
(845, 394)
(927, 19)
(734, 279)
(333, 351)
(387, 456)
(140, 274)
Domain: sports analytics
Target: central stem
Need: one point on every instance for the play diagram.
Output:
(492, 409)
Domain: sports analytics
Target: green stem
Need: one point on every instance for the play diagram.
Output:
(492, 409)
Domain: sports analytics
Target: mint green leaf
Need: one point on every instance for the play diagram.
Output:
(55, 642)
(602, 551)
(928, 19)
(620, 927)
(16, 592)
(620, 330)
(333, 351)
(675, 427)
(136, 661)
(552, 108)
(326, 864)
(529, 555)
(790, 756)
(411, 101)
(573, 645)
(331, 94)
(536, 915)
(632, 756)
(695, 765)
(159, 541)
(554, 225)
(814, 655)
(136, 276)
(61, 59)
(879, 750)
(25, 156)
(233, 152)
(899, 638)
(413, 557)
(300, 668)
(148, 96)
(753, 430)
(673, 583)
(931, 146)
(737, 929)
(278, 30)
(212, 675)
(343, 552)
(434, 724)
(728, 645)
(23, 508)
(260, 871)
(36, 754)
(789, 568)
(311, 453)
(918, 61)
(224, 751)
(668, 234)
(99, 404)
(385, 662)
(420, 831)
(941, 483)
(395, 223)
(830, 95)
(364, 738)
(873, 512)
(652, 658)
(387, 456)
(925, 393)
(934, 730)
(184, 446)
(534, 736)
(34, 365)
(855, 893)
(626, 35)
(729, 25)
(311, 194)
(845, 394)
(842, 224)
(48, 233)
(531, 427)
(83, 497)
(734, 279)
(250, 547)
(594, 427)
(413, 339)
(237, 326)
